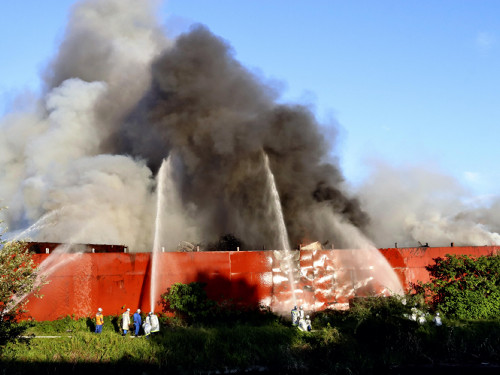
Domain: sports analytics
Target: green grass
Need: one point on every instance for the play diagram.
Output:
(343, 343)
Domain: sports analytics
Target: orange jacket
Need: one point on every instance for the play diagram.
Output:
(99, 319)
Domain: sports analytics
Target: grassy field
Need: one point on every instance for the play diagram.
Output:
(355, 342)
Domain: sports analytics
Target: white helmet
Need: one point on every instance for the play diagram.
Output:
(150, 313)
(128, 309)
(99, 309)
(307, 316)
(138, 310)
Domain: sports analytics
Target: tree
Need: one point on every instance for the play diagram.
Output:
(18, 279)
(464, 287)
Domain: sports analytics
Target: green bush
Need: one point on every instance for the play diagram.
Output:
(189, 302)
(464, 287)
(191, 305)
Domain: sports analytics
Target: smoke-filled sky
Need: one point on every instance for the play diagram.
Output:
(377, 115)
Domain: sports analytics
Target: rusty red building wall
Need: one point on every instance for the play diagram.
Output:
(79, 283)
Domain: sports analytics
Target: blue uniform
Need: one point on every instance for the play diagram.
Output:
(137, 323)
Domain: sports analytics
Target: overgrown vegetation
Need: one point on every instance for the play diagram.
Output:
(376, 335)
(189, 302)
(191, 305)
(464, 287)
(18, 278)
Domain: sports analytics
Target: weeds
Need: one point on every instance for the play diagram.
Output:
(373, 335)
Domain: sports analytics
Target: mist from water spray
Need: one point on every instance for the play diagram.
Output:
(284, 243)
(61, 256)
(163, 174)
(57, 259)
(39, 224)
(276, 205)
(365, 258)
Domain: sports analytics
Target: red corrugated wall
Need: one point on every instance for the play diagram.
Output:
(80, 283)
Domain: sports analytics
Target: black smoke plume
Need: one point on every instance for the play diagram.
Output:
(218, 118)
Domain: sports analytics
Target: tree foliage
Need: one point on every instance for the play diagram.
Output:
(17, 277)
(464, 287)
(189, 301)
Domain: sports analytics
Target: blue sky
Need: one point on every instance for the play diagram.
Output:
(406, 82)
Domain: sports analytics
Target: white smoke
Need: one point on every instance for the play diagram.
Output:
(416, 204)
(53, 157)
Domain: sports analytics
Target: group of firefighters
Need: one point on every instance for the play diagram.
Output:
(299, 320)
(150, 325)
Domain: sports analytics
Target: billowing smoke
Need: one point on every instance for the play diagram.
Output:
(219, 119)
(119, 98)
(415, 205)
(58, 177)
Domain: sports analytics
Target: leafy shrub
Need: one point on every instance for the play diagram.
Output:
(189, 302)
(191, 305)
(464, 287)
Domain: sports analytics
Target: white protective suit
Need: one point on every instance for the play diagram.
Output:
(146, 326)
(437, 320)
(155, 324)
(126, 320)
(305, 324)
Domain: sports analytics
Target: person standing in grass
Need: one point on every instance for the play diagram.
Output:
(295, 316)
(437, 320)
(137, 322)
(155, 324)
(99, 321)
(147, 325)
(125, 321)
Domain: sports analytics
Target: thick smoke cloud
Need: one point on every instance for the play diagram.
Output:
(219, 119)
(58, 178)
(415, 205)
(120, 98)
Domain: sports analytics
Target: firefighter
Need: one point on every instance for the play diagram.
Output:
(125, 321)
(146, 326)
(437, 320)
(301, 312)
(155, 324)
(308, 324)
(99, 321)
(295, 316)
(137, 322)
(303, 324)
